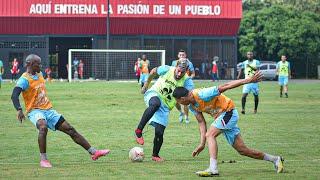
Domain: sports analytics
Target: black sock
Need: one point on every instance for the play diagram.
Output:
(243, 101)
(256, 102)
(158, 139)
(154, 104)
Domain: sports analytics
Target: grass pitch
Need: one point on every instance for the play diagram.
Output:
(106, 113)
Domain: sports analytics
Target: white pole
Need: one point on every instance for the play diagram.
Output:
(69, 66)
(163, 58)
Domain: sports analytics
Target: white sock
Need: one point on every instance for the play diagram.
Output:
(92, 150)
(271, 158)
(213, 164)
(43, 156)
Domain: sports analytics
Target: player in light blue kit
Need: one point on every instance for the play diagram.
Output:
(184, 114)
(250, 66)
(284, 72)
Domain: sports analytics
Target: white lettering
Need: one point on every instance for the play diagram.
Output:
(202, 10)
(104, 11)
(158, 9)
(132, 9)
(75, 9)
(174, 9)
(40, 9)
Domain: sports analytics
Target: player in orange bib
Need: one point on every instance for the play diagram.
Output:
(144, 69)
(41, 113)
(222, 109)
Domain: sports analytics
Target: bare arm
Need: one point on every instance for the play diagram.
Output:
(236, 83)
(152, 75)
(203, 131)
(193, 74)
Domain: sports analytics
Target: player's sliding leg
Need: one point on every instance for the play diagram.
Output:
(243, 102)
(256, 103)
(211, 136)
(42, 141)
(65, 127)
(154, 105)
(157, 141)
(245, 151)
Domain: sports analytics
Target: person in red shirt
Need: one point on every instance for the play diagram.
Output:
(137, 69)
(214, 71)
(15, 69)
(80, 69)
(48, 73)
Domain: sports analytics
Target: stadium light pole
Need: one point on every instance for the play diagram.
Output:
(108, 39)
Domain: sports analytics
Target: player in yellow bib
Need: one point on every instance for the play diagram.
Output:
(284, 73)
(160, 101)
(41, 113)
(184, 110)
(250, 66)
(223, 111)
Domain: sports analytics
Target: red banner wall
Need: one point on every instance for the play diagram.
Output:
(161, 17)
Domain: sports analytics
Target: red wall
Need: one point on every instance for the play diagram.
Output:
(16, 18)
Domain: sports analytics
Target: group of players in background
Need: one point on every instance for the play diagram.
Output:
(174, 86)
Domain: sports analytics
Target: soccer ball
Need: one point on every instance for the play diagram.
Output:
(136, 154)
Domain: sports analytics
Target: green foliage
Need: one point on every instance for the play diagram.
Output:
(277, 28)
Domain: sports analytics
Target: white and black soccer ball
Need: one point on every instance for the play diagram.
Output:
(136, 154)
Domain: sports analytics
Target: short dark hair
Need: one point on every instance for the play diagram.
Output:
(180, 92)
(181, 50)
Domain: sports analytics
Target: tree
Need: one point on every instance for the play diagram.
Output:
(281, 29)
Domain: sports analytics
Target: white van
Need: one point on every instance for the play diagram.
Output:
(268, 69)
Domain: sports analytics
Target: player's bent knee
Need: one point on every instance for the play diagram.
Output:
(154, 102)
(41, 124)
(212, 133)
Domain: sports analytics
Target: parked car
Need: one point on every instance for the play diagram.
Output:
(267, 68)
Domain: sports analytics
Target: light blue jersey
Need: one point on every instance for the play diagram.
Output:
(249, 71)
(51, 116)
(227, 120)
(23, 83)
(249, 67)
(161, 116)
(206, 94)
(190, 65)
(283, 69)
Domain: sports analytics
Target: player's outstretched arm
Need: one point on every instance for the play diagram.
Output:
(233, 84)
(153, 73)
(203, 131)
(16, 103)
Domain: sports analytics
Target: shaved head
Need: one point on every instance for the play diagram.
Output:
(31, 58)
(33, 64)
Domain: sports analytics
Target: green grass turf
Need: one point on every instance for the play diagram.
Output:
(107, 113)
